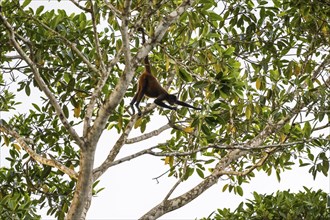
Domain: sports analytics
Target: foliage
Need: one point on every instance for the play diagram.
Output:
(283, 205)
(259, 69)
(15, 201)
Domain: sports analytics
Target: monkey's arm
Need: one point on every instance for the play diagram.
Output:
(178, 102)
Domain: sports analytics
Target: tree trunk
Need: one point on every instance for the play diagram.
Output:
(83, 191)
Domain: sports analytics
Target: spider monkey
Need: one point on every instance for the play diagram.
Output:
(148, 85)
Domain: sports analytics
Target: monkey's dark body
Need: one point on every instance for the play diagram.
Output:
(148, 85)
(152, 87)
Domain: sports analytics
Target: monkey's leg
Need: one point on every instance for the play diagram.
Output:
(178, 102)
(159, 101)
(133, 101)
(139, 97)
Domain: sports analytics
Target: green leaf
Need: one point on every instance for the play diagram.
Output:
(239, 190)
(215, 16)
(200, 173)
(25, 3)
(36, 107)
(184, 75)
(229, 51)
(206, 129)
(40, 9)
(65, 111)
(224, 187)
(201, 84)
(27, 90)
(248, 112)
(307, 130)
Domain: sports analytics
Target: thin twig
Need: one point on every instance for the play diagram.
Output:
(177, 182)
(96, 38)
(80, 7)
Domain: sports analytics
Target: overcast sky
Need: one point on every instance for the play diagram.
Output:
(130, 190)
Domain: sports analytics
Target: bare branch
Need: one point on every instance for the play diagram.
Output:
(321, 67)
(13, 57)
(151, 151)
(148, 135)
(37, 157)
(97, 172)
(41, 82)
(130, 157)
(96, 38)
(113, 9)
(177, 183)
(254, 166)
(80, 7)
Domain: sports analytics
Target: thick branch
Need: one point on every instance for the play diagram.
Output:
(41, 82)
(219, 169)
(97, 91)
(37, 157)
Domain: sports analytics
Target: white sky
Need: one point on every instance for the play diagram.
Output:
(130, 190)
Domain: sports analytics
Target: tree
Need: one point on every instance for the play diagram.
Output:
(282, 205)
(259, 69)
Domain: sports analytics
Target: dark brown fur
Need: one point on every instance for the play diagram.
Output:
(148, 85)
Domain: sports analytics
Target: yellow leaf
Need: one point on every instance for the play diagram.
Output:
(258, 83)
(210, 56)
(282, 138)
(248, 112)
(167, 65)
(297, 69)
(6, 140)
(76, 111)
(17, 147)
(169, 160)
(325, 30)
(120, 123)
(188, 129)
(138, 123)
(45, 188)
(217, 67)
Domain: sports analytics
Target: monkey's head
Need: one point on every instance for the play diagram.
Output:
(171, 99)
